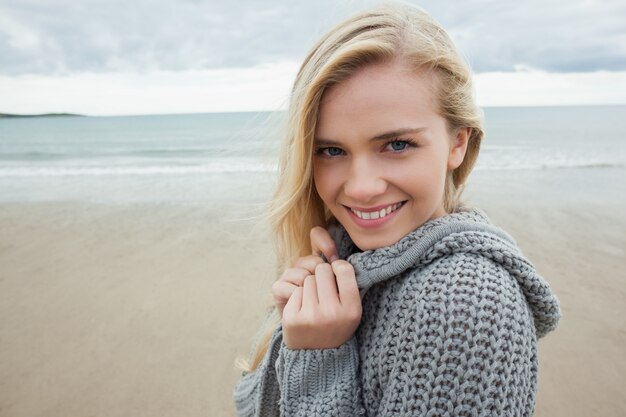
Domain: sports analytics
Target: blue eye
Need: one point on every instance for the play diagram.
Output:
(329, 151)
(399, 145)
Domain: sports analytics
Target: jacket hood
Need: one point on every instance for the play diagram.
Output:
(467, 230)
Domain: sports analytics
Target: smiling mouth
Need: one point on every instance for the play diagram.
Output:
(377, 214)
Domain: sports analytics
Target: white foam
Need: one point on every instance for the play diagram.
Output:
(69, 170)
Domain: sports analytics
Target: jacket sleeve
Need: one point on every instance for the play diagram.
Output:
(315, 382)
(320, 382)
(257, 393)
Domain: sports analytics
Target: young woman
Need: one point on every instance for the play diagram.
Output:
(394, 298)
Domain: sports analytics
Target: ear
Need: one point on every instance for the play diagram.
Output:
(458, 148)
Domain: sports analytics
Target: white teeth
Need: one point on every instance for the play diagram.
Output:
(376, 214)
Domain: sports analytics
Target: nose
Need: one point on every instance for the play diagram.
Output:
(364, 183)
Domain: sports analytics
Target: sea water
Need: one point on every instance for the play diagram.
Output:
(231, 157)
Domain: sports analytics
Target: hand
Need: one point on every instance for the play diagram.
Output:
(326, 311)
(322, 244)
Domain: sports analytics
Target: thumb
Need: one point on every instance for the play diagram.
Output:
(323, 244)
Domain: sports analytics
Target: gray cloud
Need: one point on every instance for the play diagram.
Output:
(62, 36)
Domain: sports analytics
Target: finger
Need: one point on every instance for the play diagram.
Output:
(323, 244)
(346, 282)
(309, 263)
(294, 305)
(281, 291)
(295, 276)
(327, 292)
(309, 293)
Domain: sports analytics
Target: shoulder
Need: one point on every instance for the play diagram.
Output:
(457, 270)
(469, 287)
(468, 323)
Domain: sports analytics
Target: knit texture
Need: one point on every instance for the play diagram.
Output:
(451, 317)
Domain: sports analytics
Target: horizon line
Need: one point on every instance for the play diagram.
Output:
(69, 114)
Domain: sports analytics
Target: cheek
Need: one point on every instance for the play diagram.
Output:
(419, 176)
(437, 161)
(323, 180)
(415, 172)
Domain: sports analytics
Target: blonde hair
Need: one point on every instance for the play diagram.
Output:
(390, 32)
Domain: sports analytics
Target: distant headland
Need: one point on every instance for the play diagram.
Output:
(8, 115)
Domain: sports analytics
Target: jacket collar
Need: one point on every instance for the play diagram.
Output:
(467, 230)
(377, 265)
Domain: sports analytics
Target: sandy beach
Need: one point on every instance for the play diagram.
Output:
(141, 309)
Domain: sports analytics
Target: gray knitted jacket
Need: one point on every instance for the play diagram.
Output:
(451, 317)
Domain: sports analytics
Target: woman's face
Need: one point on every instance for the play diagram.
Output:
(382, 152)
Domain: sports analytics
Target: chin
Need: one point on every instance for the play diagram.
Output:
(375, 242)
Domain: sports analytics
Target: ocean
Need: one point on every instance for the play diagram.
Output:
(230, 157)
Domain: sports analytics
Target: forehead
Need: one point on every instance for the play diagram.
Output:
(376, 98)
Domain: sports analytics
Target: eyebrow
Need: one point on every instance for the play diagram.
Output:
(383, 136)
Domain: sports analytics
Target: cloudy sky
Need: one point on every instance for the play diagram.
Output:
(175, 56)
